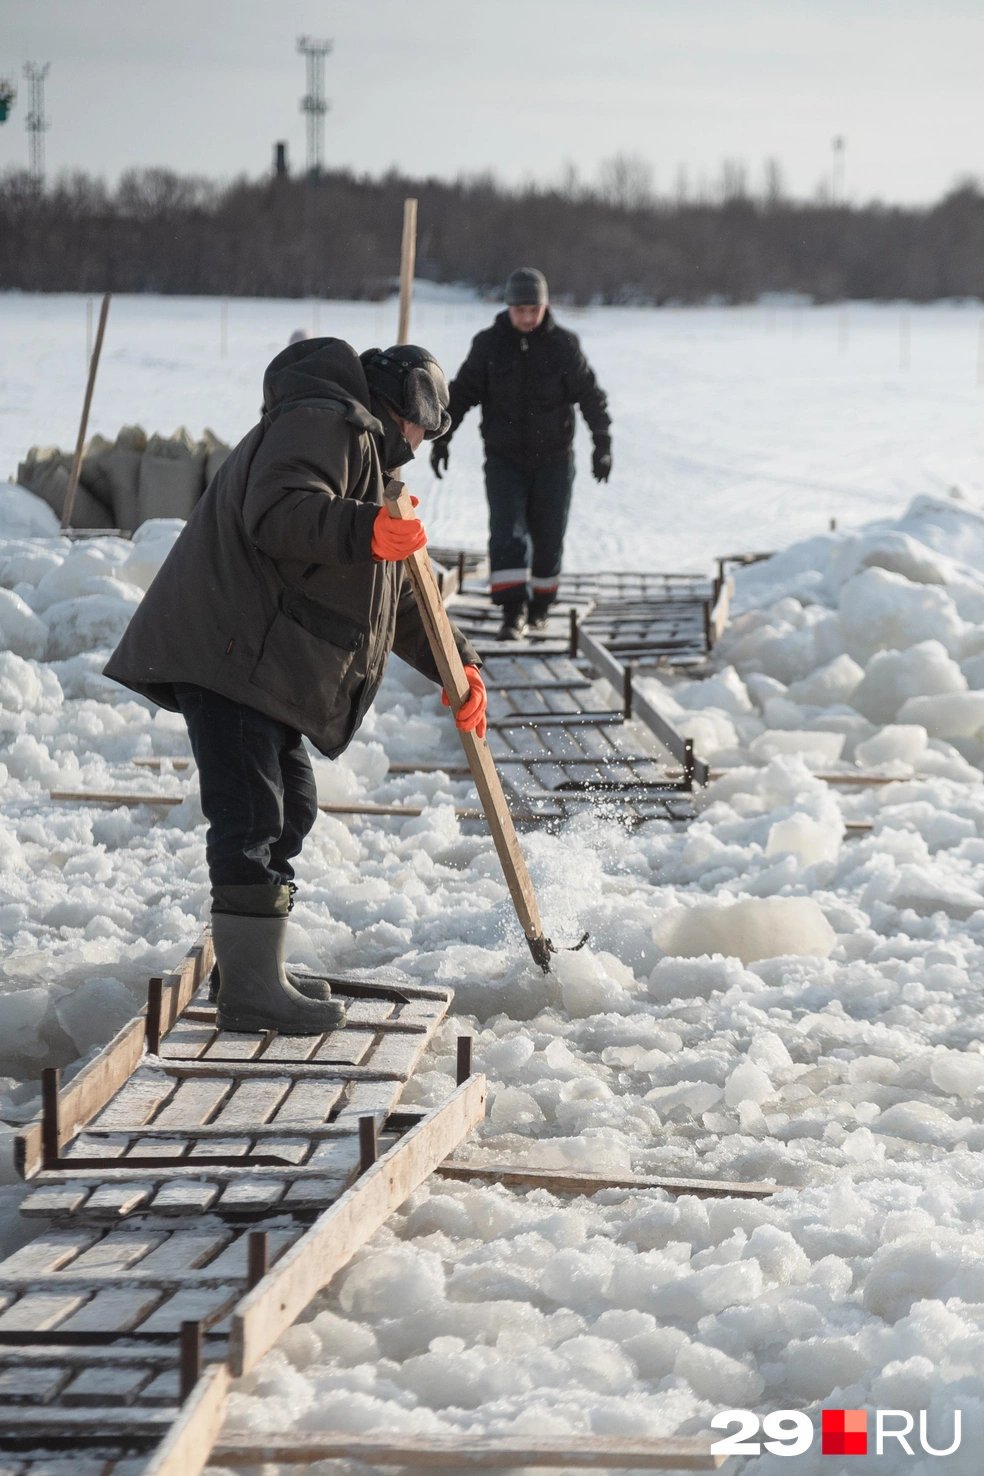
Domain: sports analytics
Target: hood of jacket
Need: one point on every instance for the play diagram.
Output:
(320, 369)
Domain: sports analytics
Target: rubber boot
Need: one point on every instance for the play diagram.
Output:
(513, 621)
(255, 993)
(312, 986)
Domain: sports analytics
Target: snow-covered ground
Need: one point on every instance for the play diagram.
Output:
(734, 428)
(762, 996)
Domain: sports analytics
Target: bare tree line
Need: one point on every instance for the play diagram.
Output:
(338, 236)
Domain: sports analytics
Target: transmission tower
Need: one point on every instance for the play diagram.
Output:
(314, 102)
(37, 124)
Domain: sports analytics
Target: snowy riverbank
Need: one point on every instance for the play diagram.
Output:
(832, 1042)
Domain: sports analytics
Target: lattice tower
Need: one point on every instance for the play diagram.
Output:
(36, 123)
(314, 103)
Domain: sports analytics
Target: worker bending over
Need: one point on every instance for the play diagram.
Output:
(527, 373)
(272, 618)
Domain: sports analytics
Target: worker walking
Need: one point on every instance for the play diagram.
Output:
(272, 618)
(527, 373)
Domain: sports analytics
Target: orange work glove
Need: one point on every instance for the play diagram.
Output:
(397, 538)
(470, 717)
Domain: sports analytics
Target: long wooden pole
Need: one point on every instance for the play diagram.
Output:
(73, 481)
(408, 257)
(480, 760)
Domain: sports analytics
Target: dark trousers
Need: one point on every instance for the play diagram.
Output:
(257, 786)
(528, 510)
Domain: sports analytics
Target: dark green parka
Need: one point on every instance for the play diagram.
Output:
(271, 596)
(527, 385)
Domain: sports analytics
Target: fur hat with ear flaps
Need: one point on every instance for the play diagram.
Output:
(411, 382)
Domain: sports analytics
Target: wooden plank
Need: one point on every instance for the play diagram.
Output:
(184, 1451)
(184, 1197)
(228, 1173)
(105, 1386)
(398, 1053)
(231, 1046)
(639, 1453)
(252, 1196)
(371, 1099)
(115, 1309)
(137, 1100)
(315, 1194)
(183, 1251)
(295, 1070)
(309, 1103)
(86, 1422)
(193, 1303)
(313, 1260)
(116, 1201)
(84, 1355)
(292, 1048)
(194, 1103)
(118, 1251)
(102, 1078)
(167, 801)
(576, 1183)
(345, 1047)
(33, 1385)
(233, 1260)
(252, 1102)
(48, 1252)
(38, 1311)
(438, 627)
(54, 1200)
(187, 1040)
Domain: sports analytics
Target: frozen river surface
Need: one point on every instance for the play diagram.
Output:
(734, 428)
(765, 995)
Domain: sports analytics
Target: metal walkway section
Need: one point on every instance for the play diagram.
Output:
(562, 745)
(197, 1188)
(654, 619)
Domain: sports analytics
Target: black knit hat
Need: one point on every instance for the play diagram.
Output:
(526, 287)
(410, 381)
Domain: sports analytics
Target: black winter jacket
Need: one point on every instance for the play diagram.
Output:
(271, 595)
(527, 385)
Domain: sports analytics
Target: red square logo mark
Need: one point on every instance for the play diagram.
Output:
(844, 1432)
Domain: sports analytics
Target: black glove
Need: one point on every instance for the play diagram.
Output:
(440, 451)
(601, 463)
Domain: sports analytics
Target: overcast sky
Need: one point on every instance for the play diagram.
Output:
(522, 87)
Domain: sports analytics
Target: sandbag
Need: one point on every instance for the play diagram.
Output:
(35, 467)
(172, 477)
(216, 452)
(92, 476)
(46, 472)
(119, 471)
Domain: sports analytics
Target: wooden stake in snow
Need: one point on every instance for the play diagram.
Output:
(480, 760)
(903, 340)
(408, 256)
(73, 481)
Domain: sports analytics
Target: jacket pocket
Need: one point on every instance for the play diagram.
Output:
(317, 676)
(328, 625)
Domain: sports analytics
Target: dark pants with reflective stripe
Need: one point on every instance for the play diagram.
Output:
(528, 510)
(258, 790)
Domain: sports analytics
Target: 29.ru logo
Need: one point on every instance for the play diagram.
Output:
(842, 1432)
